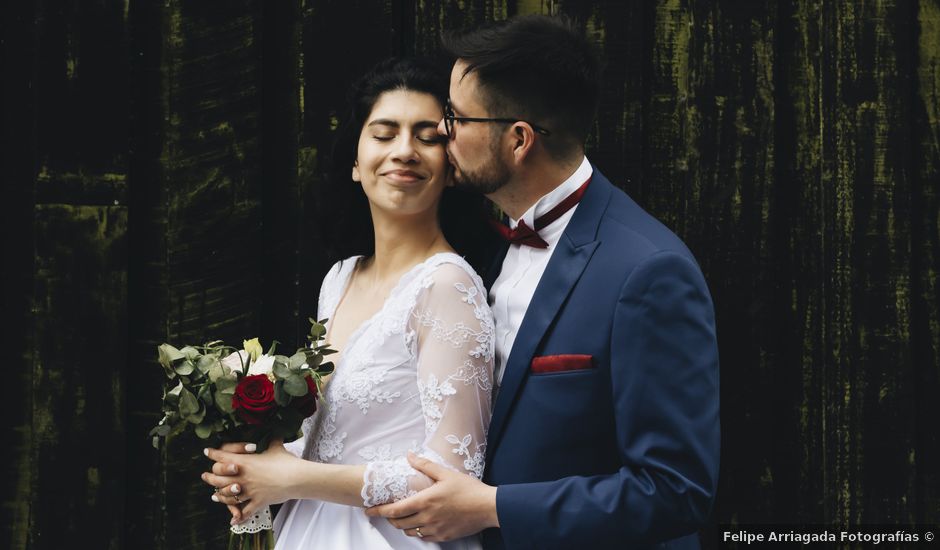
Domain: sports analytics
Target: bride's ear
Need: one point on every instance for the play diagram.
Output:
(355, 172)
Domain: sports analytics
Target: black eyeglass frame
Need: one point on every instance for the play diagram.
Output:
(450, 118)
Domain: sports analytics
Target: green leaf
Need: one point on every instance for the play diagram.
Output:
(281, 370)
(216, 371)
(205, 363)
(167, 355)
(184, 368)
(281, 397)
(203, 430)
(297, 360)
(327, 351)
(226, 384)
(172, 397)
(224, 402)
(205, 394)
(199, 416)
(325, 368)
(317, 330)
(190, 353)
(188, 403)
(313, 358)
(296, 385)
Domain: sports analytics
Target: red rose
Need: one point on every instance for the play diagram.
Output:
(254, 398)
(307, 404)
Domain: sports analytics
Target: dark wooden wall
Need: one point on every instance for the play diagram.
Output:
(159, 167)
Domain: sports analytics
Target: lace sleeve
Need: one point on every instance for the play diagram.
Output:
(327, 292)
(453, 330)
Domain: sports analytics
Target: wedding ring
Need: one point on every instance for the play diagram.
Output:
(236, 499)
(418, 532)
(215, 489)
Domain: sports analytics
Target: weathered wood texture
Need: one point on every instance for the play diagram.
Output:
(160, 165)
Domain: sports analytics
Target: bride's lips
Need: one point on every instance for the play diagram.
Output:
(404, 176)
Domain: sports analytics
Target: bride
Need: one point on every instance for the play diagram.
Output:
(415, 339)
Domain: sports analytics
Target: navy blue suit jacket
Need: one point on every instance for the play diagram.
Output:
(624, 454)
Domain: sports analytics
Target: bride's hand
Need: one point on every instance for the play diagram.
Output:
(259, 479)
(223, 469)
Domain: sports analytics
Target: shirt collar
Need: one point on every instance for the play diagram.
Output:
(556, 195)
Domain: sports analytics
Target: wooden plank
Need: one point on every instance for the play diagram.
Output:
(77, 377)
(330, 62)
(197, 189)
(17, 173)
(925, 260)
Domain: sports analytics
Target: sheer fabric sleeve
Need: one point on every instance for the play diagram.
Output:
(327, 289)
(453, 341)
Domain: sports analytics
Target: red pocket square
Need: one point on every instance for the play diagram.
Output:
(561, 363)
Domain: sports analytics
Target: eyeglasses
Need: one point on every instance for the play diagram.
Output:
(450, 118)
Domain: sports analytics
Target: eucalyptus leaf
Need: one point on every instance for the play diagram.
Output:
(224, 402)
(281, 397)
(184, 368)
(190, 352)
(198, 416)
(313, 358)
(317, 330)
(172, 397)
(203, 430)
(226, 384)
(298, 360)
(167, 355)
(205, 363)
(325, 368)
(188, 404)
(205, 395)
(216, 371)
(281, 370)
(296, 385)
(327, 351)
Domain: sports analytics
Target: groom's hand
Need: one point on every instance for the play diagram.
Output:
(456, 505)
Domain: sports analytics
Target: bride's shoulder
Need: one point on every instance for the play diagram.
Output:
(448, 270)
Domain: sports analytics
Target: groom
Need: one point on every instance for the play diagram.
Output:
(605, 424)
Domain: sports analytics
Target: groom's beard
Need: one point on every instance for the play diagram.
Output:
(488, 177)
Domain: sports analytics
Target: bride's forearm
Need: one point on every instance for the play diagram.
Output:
(340, 483)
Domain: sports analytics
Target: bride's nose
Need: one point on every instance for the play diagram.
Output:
(405, 150)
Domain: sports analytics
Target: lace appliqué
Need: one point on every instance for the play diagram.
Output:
(473, 463)
(432, 397)
(386, 481)
(259, 521)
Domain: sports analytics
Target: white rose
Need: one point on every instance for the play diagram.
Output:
(264, 365)
(233, 362)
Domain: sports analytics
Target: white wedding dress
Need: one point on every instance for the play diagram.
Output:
(416, 376)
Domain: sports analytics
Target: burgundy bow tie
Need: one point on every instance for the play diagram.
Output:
(525, 235)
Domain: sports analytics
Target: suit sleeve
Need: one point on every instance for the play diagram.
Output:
(664, 379)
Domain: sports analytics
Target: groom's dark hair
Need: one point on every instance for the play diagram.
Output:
(538, 68)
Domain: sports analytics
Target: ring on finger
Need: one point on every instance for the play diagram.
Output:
(215, 489)
(418, 532)
(237, 501)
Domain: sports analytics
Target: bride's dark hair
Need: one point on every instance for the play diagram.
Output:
(344, 216)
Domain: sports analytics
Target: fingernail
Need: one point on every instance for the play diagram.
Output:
(215, 498)
(205, 451)
(203, 476)
(250, 448)
(233, 468)
(235, 490)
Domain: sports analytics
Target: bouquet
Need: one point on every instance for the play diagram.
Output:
(224, 395)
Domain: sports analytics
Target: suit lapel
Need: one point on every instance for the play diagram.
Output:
(574, 250)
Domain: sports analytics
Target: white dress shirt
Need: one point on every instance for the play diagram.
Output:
(524, 265)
